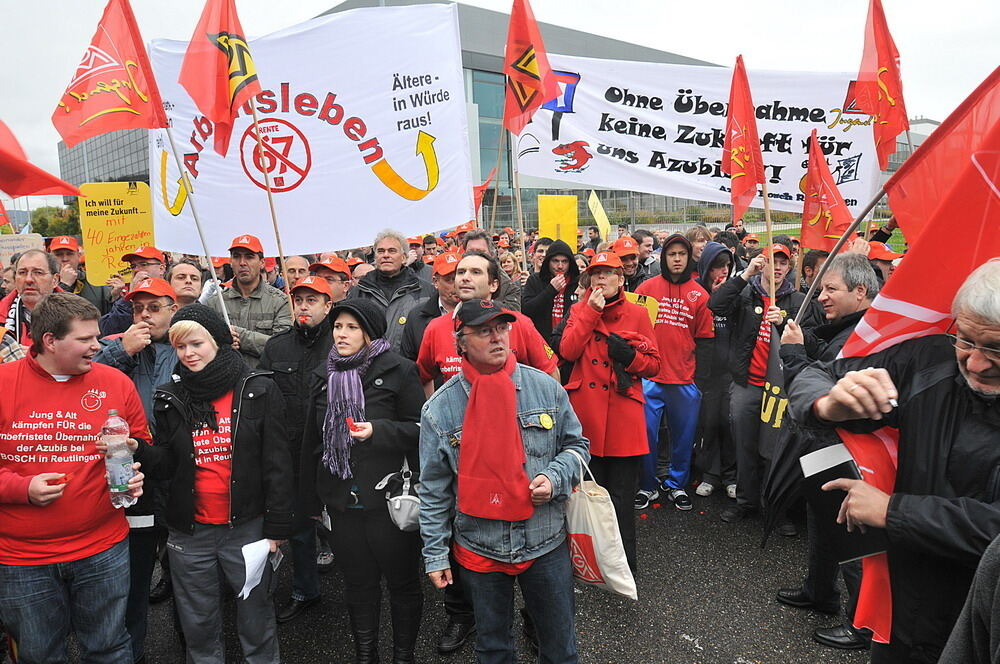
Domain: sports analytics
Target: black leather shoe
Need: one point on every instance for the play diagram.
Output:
(800, 600)
(786, 529)
(162, 590)
(843, 637)
(295, 608)
(454, 636)
(734, 513)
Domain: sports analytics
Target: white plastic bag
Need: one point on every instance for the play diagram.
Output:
(595, 543)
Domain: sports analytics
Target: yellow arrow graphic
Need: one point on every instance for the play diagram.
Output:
(182, 193)
(391, 179)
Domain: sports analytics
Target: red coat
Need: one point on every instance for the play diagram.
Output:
(614, 422)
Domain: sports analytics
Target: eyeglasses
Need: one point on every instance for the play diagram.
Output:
(36, 274)
(487, 332)
(152, 307)
(966, 346)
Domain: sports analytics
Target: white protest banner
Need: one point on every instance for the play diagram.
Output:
(659, 128)
(16, 244)
(364, 125)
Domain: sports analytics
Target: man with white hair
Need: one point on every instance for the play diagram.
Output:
(940, 392)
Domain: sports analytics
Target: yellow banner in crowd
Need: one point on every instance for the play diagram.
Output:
(557, 218)
(115, 218)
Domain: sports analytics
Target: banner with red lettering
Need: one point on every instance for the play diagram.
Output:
(660, 128)
(363, 119)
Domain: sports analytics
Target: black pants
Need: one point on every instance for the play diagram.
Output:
(369, 547)
(142, 558)
(620, 476)
(456, 604)
(900, 653)
(820, 583)
(751, 458)
(716, 454)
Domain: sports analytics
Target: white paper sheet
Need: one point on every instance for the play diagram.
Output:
(254, 559)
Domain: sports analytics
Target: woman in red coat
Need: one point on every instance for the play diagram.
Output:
(610, 340)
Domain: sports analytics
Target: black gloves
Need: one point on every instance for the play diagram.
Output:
(620, 350)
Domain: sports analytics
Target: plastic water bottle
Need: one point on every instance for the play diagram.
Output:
(114, 433)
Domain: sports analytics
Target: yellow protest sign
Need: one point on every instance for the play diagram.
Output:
(650, 304)
(557, 218)
(600, 216)
(115, 218)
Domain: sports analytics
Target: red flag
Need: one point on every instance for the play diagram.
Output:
(911, 305)
(113, 87)
(480, 189)
(19, 177)
(879, 91)
(4, 218)
(530, 81)
(741, 156)
(926, 177)
(825, 216)
(218, 70)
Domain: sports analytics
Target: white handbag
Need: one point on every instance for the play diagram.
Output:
(595, 542)
(401, 498)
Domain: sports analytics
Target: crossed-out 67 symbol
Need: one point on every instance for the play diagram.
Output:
(285, 156)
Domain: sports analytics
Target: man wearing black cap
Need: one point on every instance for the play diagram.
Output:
(502, 515)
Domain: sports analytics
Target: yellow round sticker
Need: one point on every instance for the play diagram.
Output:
(402, 320)
(546, 421)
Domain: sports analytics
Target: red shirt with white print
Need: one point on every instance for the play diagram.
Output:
(683, 316)
(213, 466)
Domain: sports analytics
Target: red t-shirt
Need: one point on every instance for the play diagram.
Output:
(758, 359)
(213, 454)
(438, 356)
(47, 426)
(483, 565)
(683, 317)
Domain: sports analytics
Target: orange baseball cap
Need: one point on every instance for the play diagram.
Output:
(415, 240)
(605, 259)
(149, 253)
(466, 227)
(334, 263)
(503, 242)
(778, 248)
(440, 241)
(317, 284)
(157, 287)
(270, 264)
(625, 246)
(428, 259)
(508, 230)
(64, 242)
(880, 251)
(351, 262)
(446, 263)
(589, 253)
(751, 236)
(219, 261)
(249, 242)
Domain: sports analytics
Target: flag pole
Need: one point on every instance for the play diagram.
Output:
(770, 238)
(270, 201)
(836, 248)
(186, 183)
(520, 215)
(496, 189)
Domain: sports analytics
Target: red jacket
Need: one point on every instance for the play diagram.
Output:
(614, 422)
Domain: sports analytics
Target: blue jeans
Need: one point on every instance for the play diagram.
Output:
(680, 404)
(305, 571)
(40, 604)
(547, 587)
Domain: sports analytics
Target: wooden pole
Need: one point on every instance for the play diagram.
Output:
(770, 240)
(186, 183)
(520, 215)
(496, 187)
(270, 203)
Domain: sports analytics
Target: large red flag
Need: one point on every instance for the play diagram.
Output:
(911, 305)
(741, 156)
(825, 216)
(879, 91)
(19, 177)
(113, 87)
(218, 71)
(924, 179)
(530, 80)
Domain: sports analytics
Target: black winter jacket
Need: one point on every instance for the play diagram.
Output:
(393, 398)
(261, 482)
(417, 321)
(743, 306)
(945, 508)
(822, 344)
(539, 295)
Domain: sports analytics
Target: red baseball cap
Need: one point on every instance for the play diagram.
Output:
(219, 261)
(149, 253)
(625, 246)
(605, 259)
(778, 248)
(589, 253)
(351, 262)
(880, 251)
(270, 264)
(440, 241)
(317, 284)
(334, 263)
(157, 287)
(446, 263)
(751, 236)
(415, 240)
(466, 227)
(249, 242)
(64, 242)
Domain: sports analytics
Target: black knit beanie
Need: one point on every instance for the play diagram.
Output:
(207, 318)
(369, 313)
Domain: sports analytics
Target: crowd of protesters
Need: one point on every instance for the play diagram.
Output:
(282, 408)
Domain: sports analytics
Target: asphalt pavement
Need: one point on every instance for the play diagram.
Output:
(706, 596)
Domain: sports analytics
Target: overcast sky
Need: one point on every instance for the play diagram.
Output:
(946, 48)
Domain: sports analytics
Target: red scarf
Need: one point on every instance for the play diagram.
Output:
(492, 482)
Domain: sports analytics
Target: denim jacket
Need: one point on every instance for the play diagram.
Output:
(549, 429)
